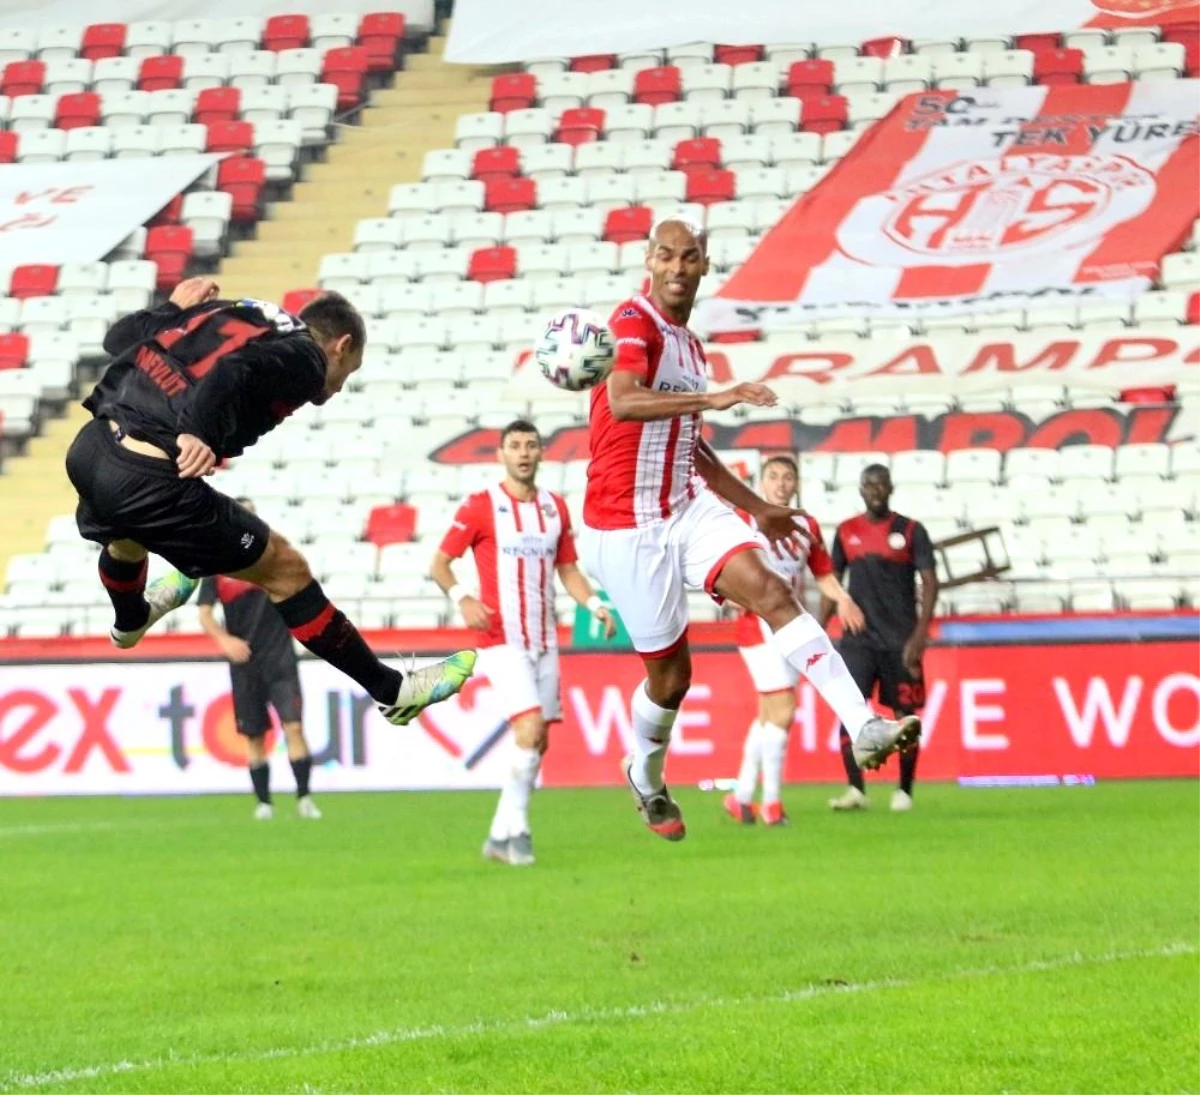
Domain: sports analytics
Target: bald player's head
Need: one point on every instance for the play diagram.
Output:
(677, 258)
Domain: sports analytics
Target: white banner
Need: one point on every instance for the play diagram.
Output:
(980, 201)
(20, 13)
(834, 370)
(78, 212)
(521, 30)
(142, 728)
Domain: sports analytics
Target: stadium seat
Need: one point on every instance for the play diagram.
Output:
(559, 91)
(697, 152)
(808, 78)
(168, 214)
(775, 117)
(102, 40)
(758, 80)
(33, 280)
(66, 76)
(170, 249)
(346, 69)
(595, 62)
(14, 350)
(157, 72)
(822, 114)
(381, 35)
(285, 32)
(77, 110)
(579, 125)
(297, 66)
(332, 30)
(654, 86)
(22, 78)
(230, 137)
(706, 83)
(500, 162)
(492, 264)
(1008, 68)
(737, 55)
(393, 524)
(512, 91)
(112, 74)
(547, 161)
(1108, 64)
(523, 128)
(207, 214)
(205, 70)
(217, 104)
(256, 69)
(857, 74)
(510, 195)
(31, 113)
(624, 225)
(278, 144)
(632, 122)
(707, 187)
(609, 87)
(1058, 66)
(957, 70)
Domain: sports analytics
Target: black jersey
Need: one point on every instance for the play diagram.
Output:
(250, 615)
(225, 372)
(883, 558)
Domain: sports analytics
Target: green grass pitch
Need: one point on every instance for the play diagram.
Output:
(1031, 940)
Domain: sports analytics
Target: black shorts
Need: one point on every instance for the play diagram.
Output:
(255, 685)
(126, 495)
(898, 689)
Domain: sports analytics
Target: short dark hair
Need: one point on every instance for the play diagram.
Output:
(331, 315)
(781, 458)
(875, 469)
(519, 425)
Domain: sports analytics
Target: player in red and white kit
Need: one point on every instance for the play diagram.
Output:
(775, 679)
(653, 526)
(521, 536)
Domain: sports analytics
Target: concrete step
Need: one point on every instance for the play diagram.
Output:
(315, 234)
(314, 207)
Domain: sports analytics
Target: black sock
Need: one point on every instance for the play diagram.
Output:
(260, 776)
(302, 769)
(908, 768)
(327, 633)
(853, 773)
(125, 583)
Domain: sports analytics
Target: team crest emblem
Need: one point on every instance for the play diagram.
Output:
(1008, 209)
(896, 541)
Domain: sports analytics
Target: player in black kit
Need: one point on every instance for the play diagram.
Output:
(193, 382)
(884, 553)
(262, 670)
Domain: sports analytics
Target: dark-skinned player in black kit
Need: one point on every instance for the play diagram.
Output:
(884, 554)
(192, 382)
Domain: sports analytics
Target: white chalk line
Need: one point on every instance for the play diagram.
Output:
(50, 828)
(16, 1081)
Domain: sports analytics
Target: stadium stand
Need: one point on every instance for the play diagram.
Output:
(454, 206)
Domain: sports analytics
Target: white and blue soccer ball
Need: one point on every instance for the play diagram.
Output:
(576, 350)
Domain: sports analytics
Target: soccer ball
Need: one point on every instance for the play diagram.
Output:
(576, 350)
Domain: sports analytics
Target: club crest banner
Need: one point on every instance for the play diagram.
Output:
(983, 200)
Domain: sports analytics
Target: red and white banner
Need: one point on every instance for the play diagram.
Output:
(78, 212)
(1106, 710)
(832, 370)
(980, 200)
(484, 31)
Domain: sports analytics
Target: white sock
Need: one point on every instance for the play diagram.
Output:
(774, 741)
(807, 648)
(512, 811)
(651, 735)
(747, 780)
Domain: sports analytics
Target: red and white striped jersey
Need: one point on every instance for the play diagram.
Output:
(517, 545)
(811, 555)
(642, 472)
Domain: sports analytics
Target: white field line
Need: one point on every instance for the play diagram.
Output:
(55, 827)
(21, 1081)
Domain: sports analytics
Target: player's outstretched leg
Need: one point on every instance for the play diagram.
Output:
(314, 621)
(138, 607)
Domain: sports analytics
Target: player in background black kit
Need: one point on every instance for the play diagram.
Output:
(884, 553)
(262, 670)
(192, 382)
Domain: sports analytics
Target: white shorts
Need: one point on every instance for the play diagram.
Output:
(769, 670)
(522, 681)
(647, 571)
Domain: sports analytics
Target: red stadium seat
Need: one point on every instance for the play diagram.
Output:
(296, 299)
(699, 152)
(632, 223)
(884, 47)
(737, 55)
(78, 109)
(823, 114)
(285, 32)
(22, 78)
(170, 248)
(1151, 396)
(346, 68)
(580, 125)
(1193, 309)
(102, 40)
(812, 77)
(593, 62)
(706, 187)
(168, 214)
(34, 280)
(1191, 52)
(243, 178)
(230, 137)
(14, 350)
(217, 104)
(349, 86)
(1036, 43)
(492, 264)
(501, 162)
(1058, 66)
(657, 85)
(394, 524)
(8, 146)
(160, 73)
(509, 195)
(513, 91)
(730, 337)
(381, 34)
